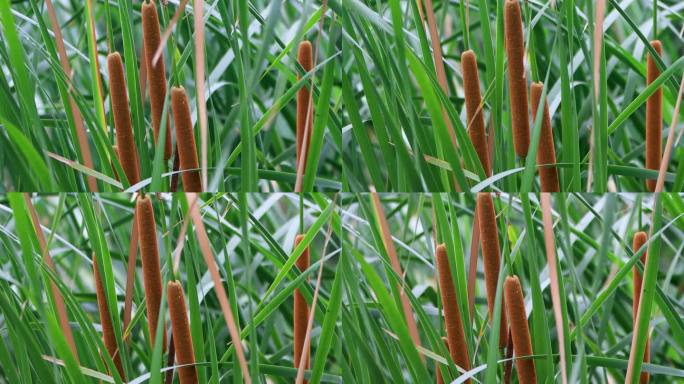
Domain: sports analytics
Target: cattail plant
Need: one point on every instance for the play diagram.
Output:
(180, 327)
(106, 321)
(185, 140)
(473, 101)
(654, 116)
(517, 83)
(301, 311)
(149, 255)
(520, 332)
(638, 241)
(489, 238)
(156, 73)
(304, 104)
(458, 349)
(126, 149)
(546, 154)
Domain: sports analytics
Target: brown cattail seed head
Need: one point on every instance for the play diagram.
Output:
(489, 236)
(301, 311)
(304, 102)
(452, 314)
(522, 344)
(515, 50)
(546, 154)
(106, 321)
(127, 151)
(149, 255)
(181, 333)
(156, 73)
(638, 241)
(185, 140)
(654, 116)
(473, 101)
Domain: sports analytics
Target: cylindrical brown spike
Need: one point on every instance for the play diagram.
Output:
(128, 153)
(185, 140)
(546, 154)
(304, 102)
(520, 332)
(182, 339)
(149, 256)
(638, 241)
(517, 83)
(654, 116)
(489, 237)
(473, 101)
(156, 73)
(106, 321)
(452, 314)
(301, 311)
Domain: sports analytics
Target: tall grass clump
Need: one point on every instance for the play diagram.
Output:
(185, 141)
(182, 339)
(106, 321)
(520, 333)
(654, 116)
(475, 115)
(546, 153)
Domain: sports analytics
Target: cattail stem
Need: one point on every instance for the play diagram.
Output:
(106, 321)
(489, 236)
(452, 314)
(181, 333)
(473, 101)
(301, 311)
(127, 151)
(156, 73)
(520, 332)
(517, 83)
(304, 104)
(185, 140)
(654, 116)
(638, 241)
(149, 255)
(546, 154)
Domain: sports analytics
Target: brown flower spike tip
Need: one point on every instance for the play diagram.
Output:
(489, 237)
(638, 241)
(106, 321)
(181, 333)
(126, 149)
(452, 315)
(149, 255)
(517, 83)
(546, 153)
(156, 74)
(473, 101)
(654, 117)
(304, 103)
(185, 140)
(301, 311)
(520, 332)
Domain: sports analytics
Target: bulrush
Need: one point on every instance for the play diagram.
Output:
(180, 327)
(127, 151)
(473, 101)
(301, 311)
(156, 73)
(106, 321)
(452, 314)
(515, 51)
(185, 140)
(149, 255)
(520, 332)
(638, 241)
(304, 103)
(654, 116)
(546, 154)
(489, 236)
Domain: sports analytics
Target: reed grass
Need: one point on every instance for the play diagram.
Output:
(517, 80)
(475, 116)
(185, 141)
(126, 150)
(546, 153)
(489, 237)
(182, 339)
(654, 116)
(106, 321)
(638, 241)
(305, 106)
(301, 312)
(522, 343)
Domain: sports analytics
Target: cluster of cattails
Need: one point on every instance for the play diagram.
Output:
(125, 148)
(654, 116)
(301, 312)
(304, 105)
(638, 241)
